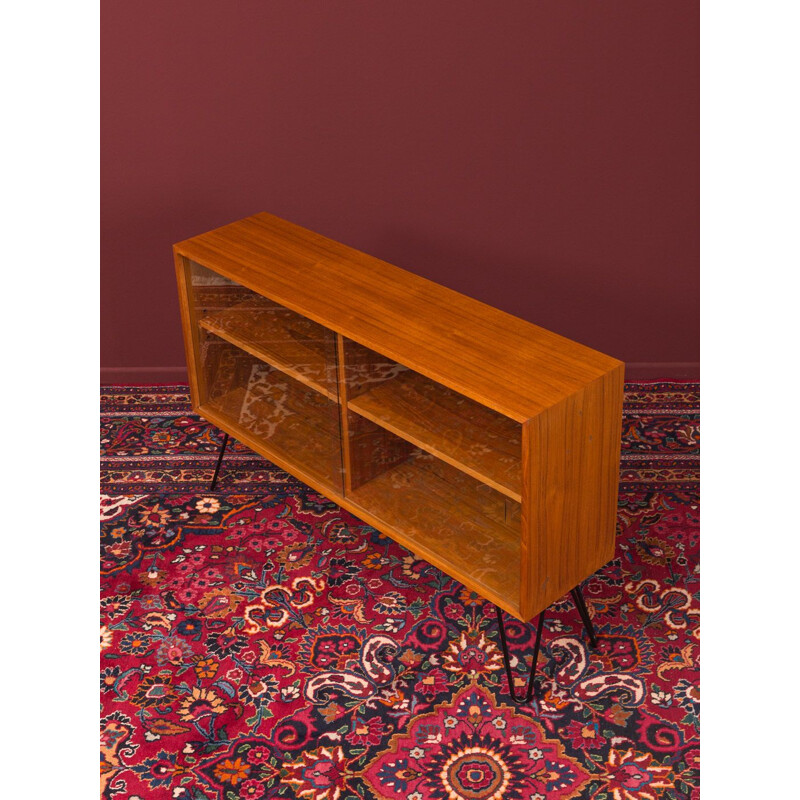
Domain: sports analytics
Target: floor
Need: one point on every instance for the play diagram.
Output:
(258, 641)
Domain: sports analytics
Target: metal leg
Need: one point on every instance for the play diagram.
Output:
(507, 659)
(580, 604)
(219, 463)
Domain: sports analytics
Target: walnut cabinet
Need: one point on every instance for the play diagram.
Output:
(483, 443)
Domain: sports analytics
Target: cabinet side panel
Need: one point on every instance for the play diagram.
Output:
(191, 333)
(571, 474)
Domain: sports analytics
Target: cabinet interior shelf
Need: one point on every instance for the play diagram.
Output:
(289, 342)
(452, 427)
(425, 512)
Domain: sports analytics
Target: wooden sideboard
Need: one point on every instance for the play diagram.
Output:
(483, 443)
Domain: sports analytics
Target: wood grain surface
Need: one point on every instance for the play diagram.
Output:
(367, 449)
(506, 363)
(191, 332)
(570, 458)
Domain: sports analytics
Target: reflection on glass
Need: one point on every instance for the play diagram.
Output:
(438, 469)
(271, 373)
(286, 340)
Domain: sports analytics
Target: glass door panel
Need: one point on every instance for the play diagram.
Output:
(269, 374)
(280, 337)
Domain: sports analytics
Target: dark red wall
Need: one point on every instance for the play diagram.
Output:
(542, 157)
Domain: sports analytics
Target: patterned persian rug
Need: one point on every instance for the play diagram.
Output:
(259, 642)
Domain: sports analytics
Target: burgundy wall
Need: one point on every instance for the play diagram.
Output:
(542, 157)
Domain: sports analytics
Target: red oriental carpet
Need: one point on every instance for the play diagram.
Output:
(259, 642)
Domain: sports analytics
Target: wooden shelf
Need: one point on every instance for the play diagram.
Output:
(301, 428)
(285, 340)
(465, 434)
(424, 506)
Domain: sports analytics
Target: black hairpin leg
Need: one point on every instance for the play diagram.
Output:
(507, 659)
(219, 463)
(580, 604)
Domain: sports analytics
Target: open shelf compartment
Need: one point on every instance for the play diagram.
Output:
(461, 525)
(463, 433)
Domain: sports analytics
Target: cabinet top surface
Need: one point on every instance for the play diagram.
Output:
(500, 360)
